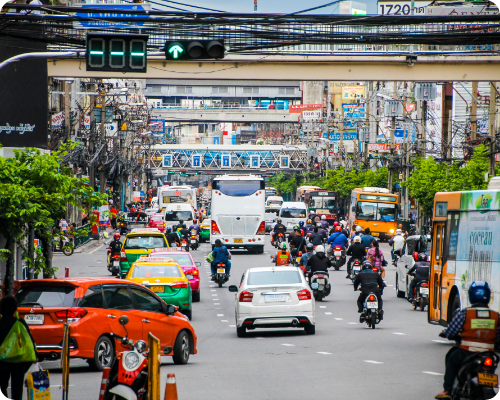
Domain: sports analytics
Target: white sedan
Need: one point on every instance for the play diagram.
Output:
(274, 297)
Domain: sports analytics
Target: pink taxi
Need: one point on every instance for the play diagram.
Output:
(157, 221)
(186, 262)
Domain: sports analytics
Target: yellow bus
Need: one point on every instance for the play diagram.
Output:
(465, 231)
(374, 208)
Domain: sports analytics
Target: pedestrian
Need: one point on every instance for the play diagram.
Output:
(13, 371)
(113, 214)
(63, 225)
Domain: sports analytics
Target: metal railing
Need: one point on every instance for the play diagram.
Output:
(83, 235)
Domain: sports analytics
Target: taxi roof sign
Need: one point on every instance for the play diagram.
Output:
(166, 249)
(156, 259)
(145, 230)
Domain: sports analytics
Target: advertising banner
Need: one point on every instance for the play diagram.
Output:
(157, 125)
(58, 119)
(353, 92)
(298, 108)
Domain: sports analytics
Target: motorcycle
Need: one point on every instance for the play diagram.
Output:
(194, 241)
(355, 269)
(128, 378)
(420, 296)
(184, 244)
(338, 256)
(113, 263)
(370, 311)
(122, 226)
(279, 239)
(397, 255)
(221, 277)
(63, 244)
(320, 285)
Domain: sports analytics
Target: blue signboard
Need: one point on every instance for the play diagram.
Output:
(255, 161)
(157, 125)
(196, 161)
(167, 161)
(284, 161)
(216, 140)
(349, 135)
(98, 23)
(226, 161)
(354, 112)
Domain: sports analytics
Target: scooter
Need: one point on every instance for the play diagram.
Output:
(279, 239)
(113, 263)
(184, 244)
(355, 269)
(420, 296)
(122, 226)
(338, 257)
(371, 314)
(194, 241)
(220, 276)
(63, 244)
(320, 285)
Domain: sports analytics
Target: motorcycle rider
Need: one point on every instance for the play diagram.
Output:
(291, 235)
(369, 282)
(221, 255)
(357, 231)
(316, 239)
(115, 246)
(421, 271)
(309, 225)
(367, 239)
(305, 257)
(324, 222)
(322, 231)
(318, 262)
(195, 227)
(357, 251)
(312, 214)
(172, 237)
(278, 228)
(337, 238)
(474, 339)
(298, 243)
(398, 243)
(282, 257)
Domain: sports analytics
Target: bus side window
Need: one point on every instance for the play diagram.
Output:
(438, 244)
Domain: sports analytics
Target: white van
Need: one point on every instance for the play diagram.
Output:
(174, 212)
(291, 213)
(273, 204)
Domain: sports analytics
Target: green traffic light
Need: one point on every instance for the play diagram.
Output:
(176, 50)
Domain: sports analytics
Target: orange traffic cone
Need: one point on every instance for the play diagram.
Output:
(171, 388)
(104, 382)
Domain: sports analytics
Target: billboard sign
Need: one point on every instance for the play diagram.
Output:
(157, 125)
(97, 23)
(58, 119)
(353, 93)
(313, 115)
(298, 108)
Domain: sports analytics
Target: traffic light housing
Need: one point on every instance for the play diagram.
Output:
(194, 49)
(116, 52)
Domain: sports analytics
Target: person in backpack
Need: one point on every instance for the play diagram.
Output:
(298, 243)
(337, 238)
(305, 257)
(376, 257)
(13, 371)
(367, 239)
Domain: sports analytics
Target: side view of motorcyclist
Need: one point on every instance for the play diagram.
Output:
(369, 281)
(420, 271)
(282, 256)
(475, 337)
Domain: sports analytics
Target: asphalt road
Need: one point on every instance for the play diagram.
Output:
(402, 359)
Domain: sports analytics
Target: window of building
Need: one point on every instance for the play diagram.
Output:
(184, 89)
(215, 89)
(156, 89)
(250, 90)
(223, 89)
(255, 90)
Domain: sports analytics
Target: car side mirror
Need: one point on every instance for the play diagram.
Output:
(198, 264)
(123, 320)
(168, 309)
(233, 288)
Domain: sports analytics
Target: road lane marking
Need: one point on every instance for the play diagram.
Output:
(338, 319)
(328, 313)
(322, 306)
(232, 326)
(441, 341)
(259, 337)
(390, 285)
(224, 320)
(220, 315)
(215, 299)
(213, 290)
(432, 373)
(288, 344)
(216, 304)
(212, 286)
(399, 333)
(373, 362)
(214, 295)
(92, 252)
(353, 323)
(322, 352)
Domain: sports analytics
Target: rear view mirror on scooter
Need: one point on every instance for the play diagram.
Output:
(123, 320)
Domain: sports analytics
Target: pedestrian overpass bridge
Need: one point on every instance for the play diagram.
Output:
(226, 158)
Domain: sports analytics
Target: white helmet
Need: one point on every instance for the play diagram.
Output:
(323, 217)
(399, 232)
(320, 249)
(313, 212)
(358, 228)
(357, 239)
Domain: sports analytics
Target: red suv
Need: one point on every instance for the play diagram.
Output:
(92, 307)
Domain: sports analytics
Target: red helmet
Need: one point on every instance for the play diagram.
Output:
(117, 236)
(338, 229)
(336, 223)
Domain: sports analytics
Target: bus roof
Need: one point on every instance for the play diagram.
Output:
(473, 200)
(373, 190)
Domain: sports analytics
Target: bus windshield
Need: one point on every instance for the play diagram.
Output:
(237, 188)
(369, 211)
(322, 202)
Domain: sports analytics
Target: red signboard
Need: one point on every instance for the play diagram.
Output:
(382, 147)
(177, 193)
(298, 108)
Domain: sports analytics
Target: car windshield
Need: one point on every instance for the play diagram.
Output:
(178, 215)
(369, 211)
(181, 259)
(275, 277)
(156, 271)
(293, 213)
(237, 188)
(145, 242)
(46, 296)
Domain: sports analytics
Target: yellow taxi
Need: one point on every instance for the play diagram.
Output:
(138, 242)
(205, 230)
(164, 277)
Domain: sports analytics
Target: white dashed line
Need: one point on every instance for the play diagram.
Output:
(216, 300)
(432, 373)
(390, 285)
(322, 352)
(328, 313)
(288, 344)
(373, 362)
(232, 326)
(212, 286)
(353, 323)
(322, 306)
(224, 320)
(338, 319)
(220, 315)
(214, 295)
(399, 333)
(213, 290)
(260, 338)
(441, 341)
(216, 304)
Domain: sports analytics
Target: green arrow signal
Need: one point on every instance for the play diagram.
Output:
(176, 50)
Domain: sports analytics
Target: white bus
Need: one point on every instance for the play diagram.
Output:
(238, 212)
(177, 195)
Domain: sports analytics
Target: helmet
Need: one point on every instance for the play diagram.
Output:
(117, 236)
(399, 232)
(309, 246)
(320, 249)
(479, 292)
(313, 212)
(309, 221)
(338, 229)
(283, 246)
(359, 229)
(422, 257)
(169, 229)
(366, 264)
(323, 217)
(181, 222)
(335, 223)
(279, 220)
(296, 227)
(357, 239)
(195, 221)
(301, 224)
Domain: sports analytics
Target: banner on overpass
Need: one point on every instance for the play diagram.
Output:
(298, 108)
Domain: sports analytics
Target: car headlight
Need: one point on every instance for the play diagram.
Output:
(391, 230)
(131, 361)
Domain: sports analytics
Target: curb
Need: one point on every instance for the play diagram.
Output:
(88, 246)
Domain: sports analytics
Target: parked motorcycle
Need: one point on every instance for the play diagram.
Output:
(64, 245)
(420, 296)
(320, 285)
(194, 241)
(114, 263)
(355, 269)
(220, 276)
(128, 378)
(370, 311)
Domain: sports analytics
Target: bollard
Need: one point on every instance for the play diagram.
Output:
(66, 272)
(171, 388)
(104, 382)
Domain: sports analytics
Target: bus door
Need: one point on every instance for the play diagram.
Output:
(436, 272)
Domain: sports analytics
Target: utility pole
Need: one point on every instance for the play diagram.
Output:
(492, 128)
(424, 126)
(67, 108)
(473, 114)
(102, 137)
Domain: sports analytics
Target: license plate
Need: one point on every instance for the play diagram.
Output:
(193, 241)
(371, 304)
(375, 233)
(36, 319)
(116, 263)
(321, 281)
(356, 268)
(221, 271)
(157, 289)
(270, 298)
(238, 240)
(487, 379)
(424, 290)
(338, 253)
(189, 277)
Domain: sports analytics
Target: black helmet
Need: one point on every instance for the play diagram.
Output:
(422, 257)
(181, 222)
(366, 264)
(309, 246)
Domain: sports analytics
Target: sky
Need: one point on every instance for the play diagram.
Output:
(273, 6)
